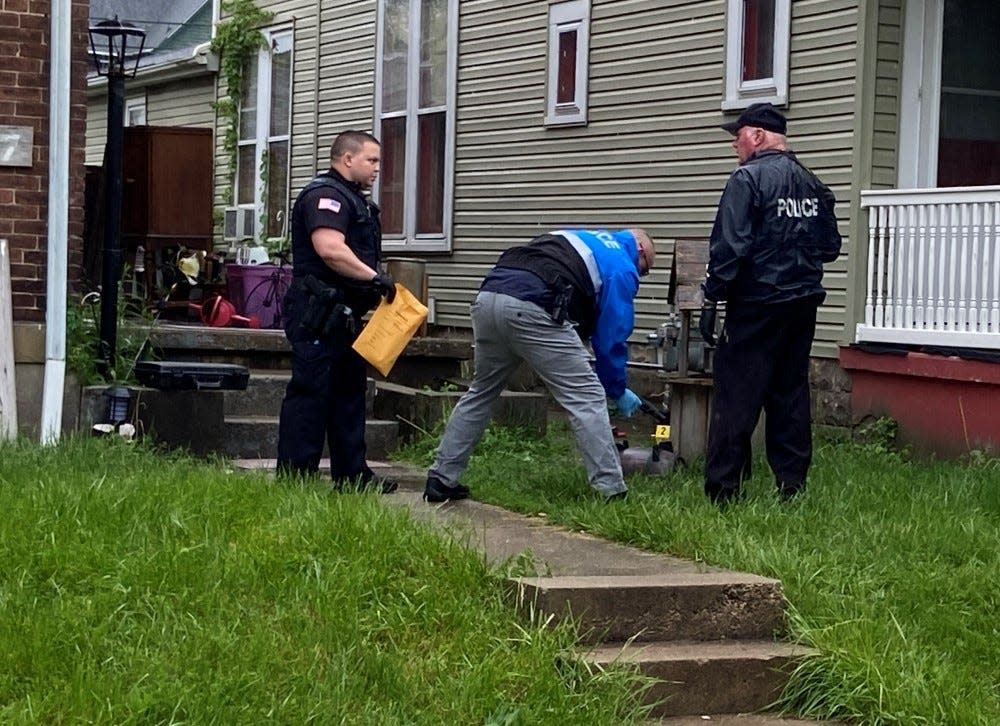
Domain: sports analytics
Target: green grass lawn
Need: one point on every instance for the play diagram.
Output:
(142, 589)
(891, 568)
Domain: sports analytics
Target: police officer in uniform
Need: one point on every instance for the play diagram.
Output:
(774, 229)
(336, 246)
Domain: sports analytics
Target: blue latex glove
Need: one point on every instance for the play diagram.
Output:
(628, 403)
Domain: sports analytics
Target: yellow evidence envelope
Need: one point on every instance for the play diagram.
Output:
(390, 329)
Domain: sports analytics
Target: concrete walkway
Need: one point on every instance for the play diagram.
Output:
(682, 611)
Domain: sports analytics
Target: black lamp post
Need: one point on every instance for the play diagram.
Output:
(115, 47)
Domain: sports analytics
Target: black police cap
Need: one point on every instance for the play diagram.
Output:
(759, 115)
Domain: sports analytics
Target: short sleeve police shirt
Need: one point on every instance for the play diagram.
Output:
(325, 207)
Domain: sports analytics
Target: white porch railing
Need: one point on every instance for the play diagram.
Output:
(933, 267)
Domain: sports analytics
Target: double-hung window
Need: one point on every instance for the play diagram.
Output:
(415, 115)
(757, 38)
(264, 137)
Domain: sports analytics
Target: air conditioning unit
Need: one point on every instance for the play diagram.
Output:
(238, 224)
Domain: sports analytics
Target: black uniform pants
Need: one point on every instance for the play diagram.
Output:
(324, 401)
(762, 362)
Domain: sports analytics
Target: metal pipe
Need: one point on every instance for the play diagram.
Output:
(60, 45)
(8, 391)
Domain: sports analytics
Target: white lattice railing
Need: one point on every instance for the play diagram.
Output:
(933, 267)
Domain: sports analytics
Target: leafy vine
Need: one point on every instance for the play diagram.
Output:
(237, 41)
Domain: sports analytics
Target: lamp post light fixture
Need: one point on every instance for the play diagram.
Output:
(115, 47)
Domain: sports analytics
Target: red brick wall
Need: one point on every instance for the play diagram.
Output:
(25, 27)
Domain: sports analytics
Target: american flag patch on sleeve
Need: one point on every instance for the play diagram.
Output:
(330, 204)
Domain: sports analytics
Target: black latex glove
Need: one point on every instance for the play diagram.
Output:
(385, 286)
(706, 324)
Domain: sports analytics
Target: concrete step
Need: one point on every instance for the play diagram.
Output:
(669, 606)
(707, 677)
(262, 349)
(262, 397)
(738, 719)
(265, 391)
(699, 676)
(420, 409)
(252, 437)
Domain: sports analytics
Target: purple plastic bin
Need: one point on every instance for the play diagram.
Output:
(253, 291)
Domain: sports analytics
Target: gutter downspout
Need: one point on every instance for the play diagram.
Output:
(61, 43)
(8, 389)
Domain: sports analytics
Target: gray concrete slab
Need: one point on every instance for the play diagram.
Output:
(502, 535)
(566, 560)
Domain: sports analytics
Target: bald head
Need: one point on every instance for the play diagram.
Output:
(646, 249)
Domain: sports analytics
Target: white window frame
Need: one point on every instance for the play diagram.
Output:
(133, 105)
(409, 240)
(566, 16)
(263, 127)
(920, 94)
(740, 94)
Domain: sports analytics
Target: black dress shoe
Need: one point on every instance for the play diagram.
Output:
(437, 491)
(367, 484)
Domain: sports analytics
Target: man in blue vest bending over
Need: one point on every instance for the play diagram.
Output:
(539, 304)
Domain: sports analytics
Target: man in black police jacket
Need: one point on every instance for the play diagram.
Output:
(774, 229)
(336, 246)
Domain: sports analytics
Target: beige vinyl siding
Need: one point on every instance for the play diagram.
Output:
(347, 72)
(887, 74)
(824, 79)
(97, 122)
(184, 102)
(651, 155)
(97, 128)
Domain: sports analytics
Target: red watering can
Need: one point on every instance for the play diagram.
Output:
(218, 312)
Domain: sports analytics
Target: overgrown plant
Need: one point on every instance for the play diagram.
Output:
(83, 330)
(878, 435)
(237, 40)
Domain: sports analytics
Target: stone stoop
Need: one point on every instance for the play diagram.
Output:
(707, 638)
(250, 426)
(251, 419)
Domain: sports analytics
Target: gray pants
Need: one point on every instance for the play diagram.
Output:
(508, 331)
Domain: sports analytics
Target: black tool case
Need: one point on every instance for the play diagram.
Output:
(186, 376)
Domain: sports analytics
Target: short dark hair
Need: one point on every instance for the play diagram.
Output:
(350, 142)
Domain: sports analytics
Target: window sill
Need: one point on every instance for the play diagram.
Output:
(416, 245)
(742, 102)
(574, 120)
